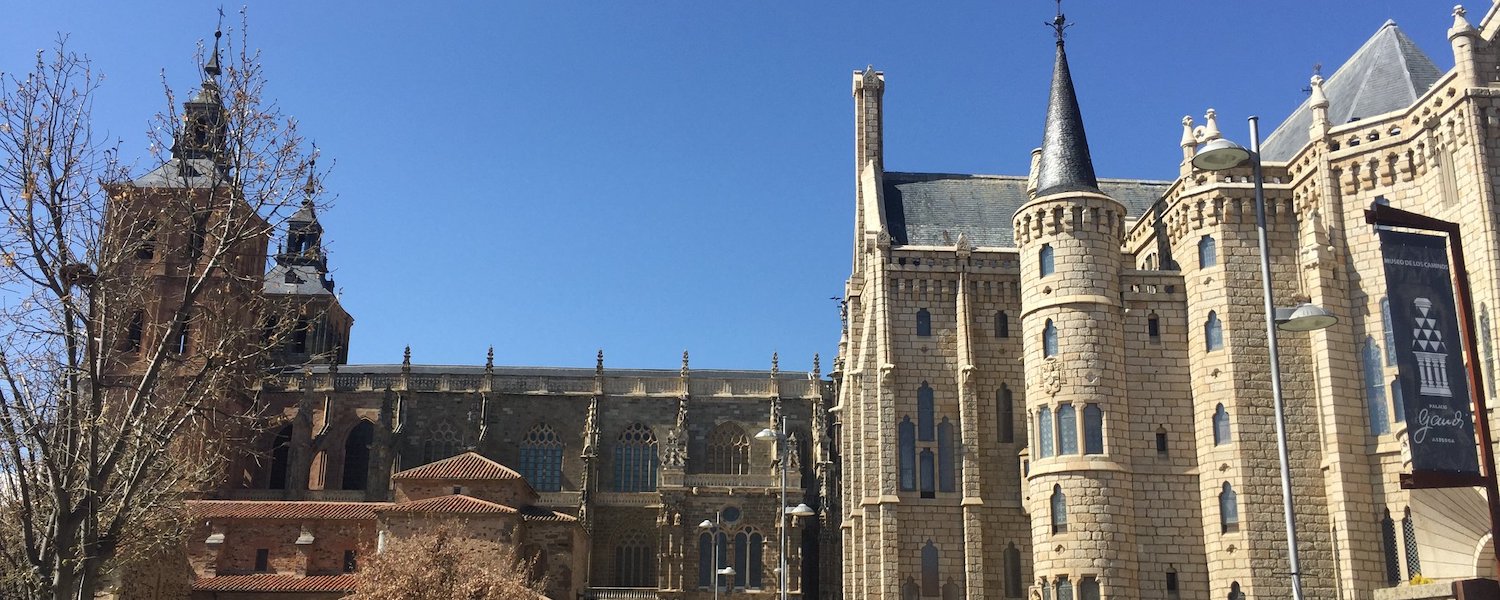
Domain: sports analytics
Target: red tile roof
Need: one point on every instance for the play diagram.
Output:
(543, 515)
(281, 509)
(266, 582)
(457, 503)
(469, 465)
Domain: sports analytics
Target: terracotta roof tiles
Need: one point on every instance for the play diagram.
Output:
(469, 465)
(543, 515)
(281, 509)
(456, 503)
(266, 582)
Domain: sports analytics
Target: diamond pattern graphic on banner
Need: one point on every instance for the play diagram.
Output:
(1427, 345)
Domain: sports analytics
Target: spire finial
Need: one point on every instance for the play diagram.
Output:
(212, 68)
(684, 364)
(489, 359)
(310, 188)
(599, 363)
(1060, 23)
(775, 364)
(817, 372)
(406, 356)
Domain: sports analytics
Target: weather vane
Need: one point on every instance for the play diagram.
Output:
(1059, 23)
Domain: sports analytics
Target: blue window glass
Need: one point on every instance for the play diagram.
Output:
(1208, 252)
(924, 323)
(925, 412)
(1045, 260)
(1059, 506)
(541, 458)
(1229, 509)
(1221, 426)
(926, 461)
(1044, 439)
(1213, 332)
(1049, 339)
(1380, 421)
(1093, 429)
(636, 460)
(1067, 430)
(907, 436)
(1390, 331)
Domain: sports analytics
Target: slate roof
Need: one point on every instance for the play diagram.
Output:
(469, 465)
(1065, 165)
(201, 174)
(306, 281)
(266, 582)
(1389, 72)
(456, 503)
(931, 209)
(281, 509)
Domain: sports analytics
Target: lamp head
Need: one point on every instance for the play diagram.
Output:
(1307, 317)
(801, 510)
(767, 435)
(1220, 154)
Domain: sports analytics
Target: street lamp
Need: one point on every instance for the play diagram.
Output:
(713, 528)
(800, 510)
(1218, 155)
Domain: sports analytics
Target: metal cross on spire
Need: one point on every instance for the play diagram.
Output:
(1059, 23)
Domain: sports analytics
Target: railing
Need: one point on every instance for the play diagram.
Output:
(621, 594)
(628, 499)
(337, 495)
(720, 480)
(666, 385)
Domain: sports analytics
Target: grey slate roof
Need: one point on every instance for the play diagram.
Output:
(201, 173)
(932, 209)
(1389, 72)
(306, 281)
(1065, 165)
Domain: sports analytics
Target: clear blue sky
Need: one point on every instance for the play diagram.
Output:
(647, 177)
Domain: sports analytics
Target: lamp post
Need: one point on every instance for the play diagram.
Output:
(714, 528)
(1222, 154)
(800, 510)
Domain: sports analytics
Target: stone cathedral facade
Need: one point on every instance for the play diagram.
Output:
(1049, 386)
(1055, 386)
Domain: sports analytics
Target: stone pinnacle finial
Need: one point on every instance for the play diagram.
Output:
(817, 372)
(1188, 139)
(406, 357)
(489, 359)
(599, 363)
(1318, 99)
(684, 364)
(1210, 126)
(1461, 25)
(1064, 164)
(775, 364)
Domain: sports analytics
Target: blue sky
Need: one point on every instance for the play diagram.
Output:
(646, 177)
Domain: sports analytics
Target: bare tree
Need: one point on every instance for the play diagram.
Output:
(130, 311)
(446, 562)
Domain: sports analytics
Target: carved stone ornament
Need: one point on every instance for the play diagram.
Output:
(1052, 376)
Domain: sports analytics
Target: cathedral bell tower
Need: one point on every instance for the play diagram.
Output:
(205, 120)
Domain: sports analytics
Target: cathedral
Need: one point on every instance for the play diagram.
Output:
(1048, 386)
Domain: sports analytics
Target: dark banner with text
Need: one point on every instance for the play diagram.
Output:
(1429, 353)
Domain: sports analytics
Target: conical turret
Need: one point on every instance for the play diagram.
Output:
(1065, 165)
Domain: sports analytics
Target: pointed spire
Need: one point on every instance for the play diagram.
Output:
(1065, 165)
(212, 69)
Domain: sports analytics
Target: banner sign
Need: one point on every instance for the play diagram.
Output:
(1429, 353)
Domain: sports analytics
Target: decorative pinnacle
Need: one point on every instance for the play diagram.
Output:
(817, 367)
(599, 363)
(684, 364)
(212, 68)
(1188, 138)
(775, 364)
(311, 187)
(489, 359)
(406, 357)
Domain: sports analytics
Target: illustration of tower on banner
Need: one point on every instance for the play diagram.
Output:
(1427, 345)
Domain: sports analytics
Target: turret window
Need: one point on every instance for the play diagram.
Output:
(1221, 425)
(1088, 588)
(1380, 421)
(1045, 261)
(1049, 339)
(1067, 430)
(1229, 509)
(1208, 252)
(1064, 588)
(1002, 325)
(1213, 332)
(1059, 506)
(1235, 593)
(924, 323)
(1093, 429)
(1153, 328)
(1044, 439)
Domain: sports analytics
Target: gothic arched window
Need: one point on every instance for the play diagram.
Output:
(1064, 588)
(1045, 260)
(281, 446)
(357, 456)
(925, 460)
(1213, 332)
(946, 481)
(924, 323)
(1388, 545)
(1088, 588)
(1059, 506)
(1049, 339)
(1093, 429)
(1380, 420)
(1221, 425)
(541, 458)
(1409, 538)
(706, 555)
(636, 460)
(442, 441)
(1044, 441)
(1390, 331)
(1234, 591)
(925, 413)
(1013, 583)
(756, 560)
(1067, 430)
(906, 434)
(1002, 325)
(1208, 252)
(749, 547)
(728, 450)
(635, 561)
(1005, 414)
(1229, 509)
(930, 570)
